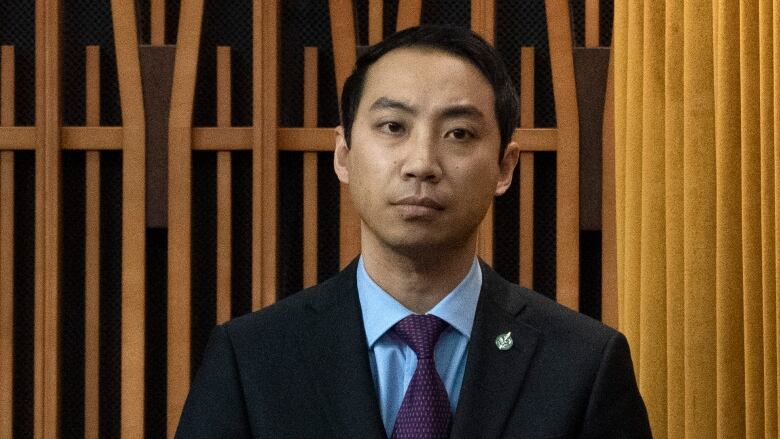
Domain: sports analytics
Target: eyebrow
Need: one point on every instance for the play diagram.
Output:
(448, 113)
(387, 103)
(462, 111)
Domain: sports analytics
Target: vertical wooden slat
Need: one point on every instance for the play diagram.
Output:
(92, 255)
(179, 208)
(310, 169)
(483, 18)
(592, 23)
(133, 218)
(6, 291)
(264, 152)
(47, 218)
(6, 247)
(7, 86)
(527, 74)
(375, 13)
(224, 200)
(158, 22)
(567, 273)
(482, 22)
(409, 12)
(609, 299)
(343, 35)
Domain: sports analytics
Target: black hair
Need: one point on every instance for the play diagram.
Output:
(457, 41)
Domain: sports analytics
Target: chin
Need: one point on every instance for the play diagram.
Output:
(426, 244)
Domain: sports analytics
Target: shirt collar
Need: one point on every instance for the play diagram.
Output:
(381, 311)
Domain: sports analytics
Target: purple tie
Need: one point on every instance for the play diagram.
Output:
(425, 410)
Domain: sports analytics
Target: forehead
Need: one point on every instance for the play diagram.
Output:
(426, 77)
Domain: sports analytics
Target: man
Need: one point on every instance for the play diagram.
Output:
(417, 338)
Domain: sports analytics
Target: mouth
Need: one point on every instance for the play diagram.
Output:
(418, 208)
(415, 201)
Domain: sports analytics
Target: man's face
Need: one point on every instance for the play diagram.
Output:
(423, 165)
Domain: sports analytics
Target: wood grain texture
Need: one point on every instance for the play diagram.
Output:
(180, 208)
(310, 73)
(158, 22)
(483, 22)
(527, 99)
(609, 299)
(6, 293)
(18, 138)
(264, 151)
(567, 175)
(224, 236)
(133, 218)
(92, 255)
(7, 85)
(92, 298)
(92, 138)
(527, 219)
(344, 43)
(409, 12)
(224, 196)
(92, 86)
(483, 19)
(47, 219)
(375, 13)
(592, 23)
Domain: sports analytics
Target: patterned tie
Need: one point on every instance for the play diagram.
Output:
(425, 410)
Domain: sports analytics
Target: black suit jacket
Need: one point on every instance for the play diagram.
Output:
(300, 369)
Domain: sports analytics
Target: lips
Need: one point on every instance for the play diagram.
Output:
(425, 202)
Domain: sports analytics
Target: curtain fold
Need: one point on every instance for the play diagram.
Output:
(697, 131)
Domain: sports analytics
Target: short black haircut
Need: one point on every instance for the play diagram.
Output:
(457, 41)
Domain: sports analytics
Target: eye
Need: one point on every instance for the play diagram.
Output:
(460, 134)
(391, 127)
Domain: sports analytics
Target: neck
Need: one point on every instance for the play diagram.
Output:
(418, 279)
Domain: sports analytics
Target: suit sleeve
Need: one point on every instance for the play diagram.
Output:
(215, 406)
(615, 409)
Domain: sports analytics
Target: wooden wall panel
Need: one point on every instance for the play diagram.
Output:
(180, 208)
(592, 23)
(92, 255)
(264, 152)
(6, 292)
(483, 22)
(344, 46)
(157, 22)
(133, 218)
(567, 273)
(409, 12)
(224, 196)
(310, 71)
(609, 299)
(7, 85)
(375, 25)
(527, 76)
(47, 218)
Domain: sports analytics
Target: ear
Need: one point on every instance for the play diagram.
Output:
(507, 168)
(341, 156)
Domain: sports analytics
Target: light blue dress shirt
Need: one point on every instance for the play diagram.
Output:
(393, 362)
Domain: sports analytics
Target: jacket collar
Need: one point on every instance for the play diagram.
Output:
(340, 366)
(338, 355)
(493, 377)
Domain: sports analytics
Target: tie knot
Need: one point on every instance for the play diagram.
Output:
(420, 332)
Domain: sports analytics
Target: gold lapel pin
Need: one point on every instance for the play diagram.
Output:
(504, 341)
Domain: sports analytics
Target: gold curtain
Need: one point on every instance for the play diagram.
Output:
(697, 135)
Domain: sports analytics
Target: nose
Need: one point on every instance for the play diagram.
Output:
(421, 162)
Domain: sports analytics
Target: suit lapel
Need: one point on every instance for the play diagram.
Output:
(493, 377)
(338, 356)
